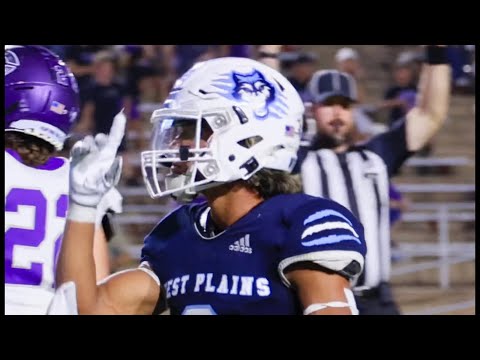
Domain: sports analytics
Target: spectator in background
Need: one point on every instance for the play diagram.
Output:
(104, 97)
(398, 97)
(149, 72)
(80, 59)
(235, 51)
(347, 60)
(462, 59)
(240, 51)
(291, 48)
(159, 58)
(299, 68)
(187, 55)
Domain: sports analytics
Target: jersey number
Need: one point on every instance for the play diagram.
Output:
(17, 237)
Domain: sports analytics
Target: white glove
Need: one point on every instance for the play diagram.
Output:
(111, 201)
(95, 169)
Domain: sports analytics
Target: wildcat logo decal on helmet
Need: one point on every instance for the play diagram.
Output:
(256, 90)
(253, 87)
(11, 62)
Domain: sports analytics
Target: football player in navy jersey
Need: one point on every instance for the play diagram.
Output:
(230, 130)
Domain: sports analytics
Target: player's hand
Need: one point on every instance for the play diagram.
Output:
(95, 168)
(111, 201)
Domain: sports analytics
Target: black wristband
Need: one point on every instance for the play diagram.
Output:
(436, 55)
(264, 54)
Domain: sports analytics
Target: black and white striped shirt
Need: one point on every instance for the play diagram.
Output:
(359, 180)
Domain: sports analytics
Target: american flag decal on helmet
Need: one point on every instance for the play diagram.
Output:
(58, 108)
(289, 130)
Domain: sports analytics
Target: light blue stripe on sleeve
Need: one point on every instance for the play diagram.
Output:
(331, 239)
(325, 213)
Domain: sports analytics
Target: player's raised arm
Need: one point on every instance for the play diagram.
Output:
(94, 170)
(430, 112)
(111, 203)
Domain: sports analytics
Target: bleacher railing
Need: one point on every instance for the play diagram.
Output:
(448, 253)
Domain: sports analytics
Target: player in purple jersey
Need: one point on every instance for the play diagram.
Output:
(230, 130)
(41, 105)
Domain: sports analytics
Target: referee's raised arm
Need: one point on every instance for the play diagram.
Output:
(430, 112)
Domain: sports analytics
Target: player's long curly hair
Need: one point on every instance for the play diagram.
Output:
(268, 183)
(33, 151)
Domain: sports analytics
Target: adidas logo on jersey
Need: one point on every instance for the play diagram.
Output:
(242, 245)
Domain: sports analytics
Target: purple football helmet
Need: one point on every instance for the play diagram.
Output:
(41, 94)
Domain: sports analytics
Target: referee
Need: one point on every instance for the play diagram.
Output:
(357, 176)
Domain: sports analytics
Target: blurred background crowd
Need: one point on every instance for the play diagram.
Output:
(432, 199)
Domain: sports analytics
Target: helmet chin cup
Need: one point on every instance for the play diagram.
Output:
(179, 181)
(184, 197)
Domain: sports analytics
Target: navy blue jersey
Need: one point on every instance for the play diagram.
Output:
(241, 270)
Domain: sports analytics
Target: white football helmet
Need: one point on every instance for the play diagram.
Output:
(224, 120)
